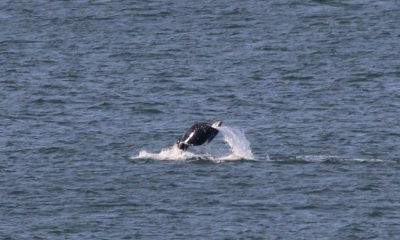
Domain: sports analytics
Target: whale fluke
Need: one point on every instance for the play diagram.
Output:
(199, 134)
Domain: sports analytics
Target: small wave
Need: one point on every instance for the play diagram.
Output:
(328, 158)
(239, 150)
(332, 158)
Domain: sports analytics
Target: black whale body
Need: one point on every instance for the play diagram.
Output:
(198, 134)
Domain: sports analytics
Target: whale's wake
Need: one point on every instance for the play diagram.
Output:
(239, 148)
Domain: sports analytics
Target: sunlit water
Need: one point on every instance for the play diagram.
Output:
(94, 94)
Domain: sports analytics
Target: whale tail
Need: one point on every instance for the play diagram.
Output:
(199, 134)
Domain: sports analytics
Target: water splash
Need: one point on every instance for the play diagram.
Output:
(171, 153)
(235, 138)
(237, 141)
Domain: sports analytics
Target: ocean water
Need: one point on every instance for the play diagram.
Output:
(94, 94)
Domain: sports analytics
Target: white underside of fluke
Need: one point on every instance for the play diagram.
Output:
(190, 136)
(216, 124)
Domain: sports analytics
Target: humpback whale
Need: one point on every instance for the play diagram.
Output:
(199, 134)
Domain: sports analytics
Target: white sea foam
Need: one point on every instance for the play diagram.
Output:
(235, 138)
